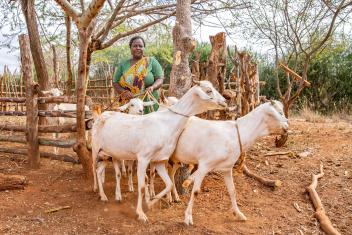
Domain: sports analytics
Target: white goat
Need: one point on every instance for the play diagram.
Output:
(148, 138)
(134, 106)
(215, 145)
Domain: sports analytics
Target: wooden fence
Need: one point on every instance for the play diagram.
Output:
(28, 134)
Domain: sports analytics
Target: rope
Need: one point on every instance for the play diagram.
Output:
(150, 97)
(242, 157)
(116, 100)
(167, 107)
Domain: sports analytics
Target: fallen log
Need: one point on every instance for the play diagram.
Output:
(52, 156)
(9, 182)
(320, 214)
(264, 181)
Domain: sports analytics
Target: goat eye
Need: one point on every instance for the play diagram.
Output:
(209, 92)
(132, 105)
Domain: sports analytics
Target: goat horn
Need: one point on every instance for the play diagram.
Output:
(272, 102)
(195, 81)
(231, 109)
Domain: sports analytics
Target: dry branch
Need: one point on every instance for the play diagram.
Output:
(324, 220)
(289, 153)
(57, 209)
(8, 182)
(266, 182)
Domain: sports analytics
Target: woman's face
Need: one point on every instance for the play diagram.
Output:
(137, 48)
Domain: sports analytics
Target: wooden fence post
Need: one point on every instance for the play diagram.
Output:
(31, 104)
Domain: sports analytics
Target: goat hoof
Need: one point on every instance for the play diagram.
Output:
(240, 216)
(143, 218)
(186, 183)
(189, 220)
(118, 200)
(177, 200)
(104, 199)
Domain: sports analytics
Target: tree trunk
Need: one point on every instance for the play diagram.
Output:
(69, 84)
(216, 60)
(83, 153)
(36, 49)
(56, 67)
(180, 77)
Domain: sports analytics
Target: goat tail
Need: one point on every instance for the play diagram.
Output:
(97, 110)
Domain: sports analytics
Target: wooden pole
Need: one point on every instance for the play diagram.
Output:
(31, 104)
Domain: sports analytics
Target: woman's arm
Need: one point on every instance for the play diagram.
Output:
(126, 94)
(156, 85)
(158, 76)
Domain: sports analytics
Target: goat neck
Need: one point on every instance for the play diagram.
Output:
(251, 127)
(189, 105)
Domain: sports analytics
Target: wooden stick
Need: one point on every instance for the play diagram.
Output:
(289, 153)
(324, 220)
(266, 182)
(57, 209)
(8, 182)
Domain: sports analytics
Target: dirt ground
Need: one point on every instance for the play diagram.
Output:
(268, 211)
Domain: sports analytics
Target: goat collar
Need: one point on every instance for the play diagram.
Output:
(187, 116)
(239, 137)
(242, 154)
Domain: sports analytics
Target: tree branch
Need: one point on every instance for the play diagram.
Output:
(136, 30)
(68, 9)
(91, 12)
(105, 30)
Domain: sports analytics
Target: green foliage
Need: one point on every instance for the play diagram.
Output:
(330, 75)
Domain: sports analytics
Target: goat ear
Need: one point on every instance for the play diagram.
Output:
(233, 108)
(123, 107)
(194, 82)
(46, 92)
(148, 103)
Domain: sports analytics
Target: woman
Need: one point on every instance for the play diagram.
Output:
(138, 74)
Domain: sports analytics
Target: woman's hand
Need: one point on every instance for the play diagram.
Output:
(126, 95)
(150, 89)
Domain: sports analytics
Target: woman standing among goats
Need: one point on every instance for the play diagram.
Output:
(138, 74)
